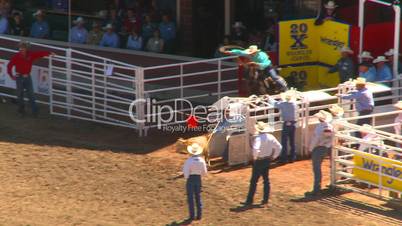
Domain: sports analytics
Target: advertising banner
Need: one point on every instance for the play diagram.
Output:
(332, 36)
(373, 165)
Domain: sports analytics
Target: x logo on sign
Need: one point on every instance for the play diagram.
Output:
(299, 41)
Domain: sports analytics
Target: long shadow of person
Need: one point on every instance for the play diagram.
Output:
(244, 208)
(183, 222)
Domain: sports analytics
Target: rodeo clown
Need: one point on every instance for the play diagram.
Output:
(265, 148)
(193, 169)
(261, 61)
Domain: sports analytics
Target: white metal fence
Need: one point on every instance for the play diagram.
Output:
(375, 163)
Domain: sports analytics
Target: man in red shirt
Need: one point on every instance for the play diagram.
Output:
(22, 61)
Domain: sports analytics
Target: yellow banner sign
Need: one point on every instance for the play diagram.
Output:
(332, 37)
(298, 42)
(371, 165)
(303, 42)
(305, 78)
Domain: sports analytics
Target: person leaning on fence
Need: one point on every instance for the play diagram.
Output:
(289, 113)
(194, 168)
(320, 147)
(22, 61)
(260, 60)
(265, 148)
(364, 100)
(345, 65)
(329, 14)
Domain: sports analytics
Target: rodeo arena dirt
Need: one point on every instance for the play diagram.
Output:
(186, 143)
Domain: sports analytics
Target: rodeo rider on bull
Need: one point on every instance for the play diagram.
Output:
(261, 61)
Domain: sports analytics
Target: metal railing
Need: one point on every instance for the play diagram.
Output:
(352, 166)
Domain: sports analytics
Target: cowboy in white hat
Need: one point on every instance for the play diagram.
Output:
(79, 34)
(384, 72)
(390, 57)
(345, 65)
(289, 114)
(328, 13)
(260, 61)
(320, 147)
(110, 38)
(40, 28)
(194, 168)
(364, 100)
(369, 135)
(336, 111)
(265, 148)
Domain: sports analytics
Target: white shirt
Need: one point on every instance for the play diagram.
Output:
(398, 128)
(370, 137)
(266, 145)
(194, 165)
(322, 138)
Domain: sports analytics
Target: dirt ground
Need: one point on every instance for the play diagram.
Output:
(59, 172)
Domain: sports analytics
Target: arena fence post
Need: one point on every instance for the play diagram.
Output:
(51, 84)
(219, 78)
(68, 81)
(139, 88)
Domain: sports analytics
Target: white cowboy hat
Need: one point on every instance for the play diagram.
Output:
(252, 49)
(195, 149)
(366, 54)
(79, 20)
(330, 5)
(398, 105)
(324, 116)
(38, 12)
(336, 110)
(108, 26)
(346, 49)
(262, 127)
(238, 24)
(360, 81)
(368, 129)
(390, 53)
(380, 59)
(289, 95)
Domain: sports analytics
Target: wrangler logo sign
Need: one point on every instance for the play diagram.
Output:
(372, 165)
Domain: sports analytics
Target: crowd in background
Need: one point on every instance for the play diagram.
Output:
(136, 27)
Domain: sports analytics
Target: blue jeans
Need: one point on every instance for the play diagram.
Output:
(260, 169)
(25, 83)
(318, 156)
(288, 134)
(280, 82)
(193, 187)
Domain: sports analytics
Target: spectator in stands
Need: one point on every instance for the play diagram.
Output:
(366, 58)
(134, 41)
(167, 30)
(156, 43)
(255, 37)
(366, 72)
(123, 37)
(345, 65)
(329, 14)
(79, 33)
(384, 73)
(5, 7)
(40, 28)
(239, 35)
(269, 41)
(110, 38)
(17, 26)
(364, 100)
(390, 57)
(132, 21)
(95, 35)
(22, 61)
(4, 26)
(114, 20)
(59, 5)
(320, 147)
(148, 28)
